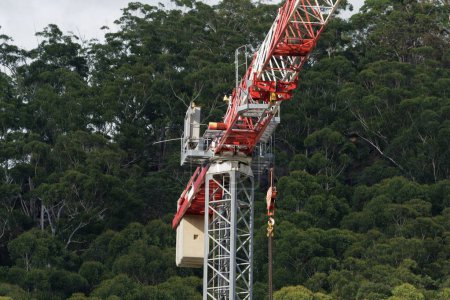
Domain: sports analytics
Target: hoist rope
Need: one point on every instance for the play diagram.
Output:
(270, 224)
(270, 201)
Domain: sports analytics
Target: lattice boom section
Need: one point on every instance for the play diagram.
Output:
(299, 22)
(286, 48)
(273, 74)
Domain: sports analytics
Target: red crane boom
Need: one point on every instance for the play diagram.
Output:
(269, 80)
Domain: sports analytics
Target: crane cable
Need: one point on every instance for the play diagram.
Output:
(270, 223)
(270, 201)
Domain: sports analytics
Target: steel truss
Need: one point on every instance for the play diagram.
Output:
(227, 271)
(222, 185)
(253, 111)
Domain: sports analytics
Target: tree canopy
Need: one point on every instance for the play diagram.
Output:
(362, 154)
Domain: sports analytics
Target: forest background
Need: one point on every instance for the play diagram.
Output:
(362, 155)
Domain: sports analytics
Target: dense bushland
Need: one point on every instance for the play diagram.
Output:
(362, 155)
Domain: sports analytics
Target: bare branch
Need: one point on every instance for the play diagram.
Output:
(176, 96)
(376, 147)
(5, 223)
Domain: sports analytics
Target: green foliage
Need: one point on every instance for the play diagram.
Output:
(67, 282)
(181, 288)
(92, 271)
(10, 291)
(298, 292)
(294, 292)
(362, 155)
(36, 249)
(406, 292)
(120, 286)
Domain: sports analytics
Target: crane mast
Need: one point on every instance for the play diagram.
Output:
(215, 210)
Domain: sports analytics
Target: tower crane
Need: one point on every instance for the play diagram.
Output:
(214, 218)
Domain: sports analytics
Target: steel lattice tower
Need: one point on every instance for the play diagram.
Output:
(227, 269)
